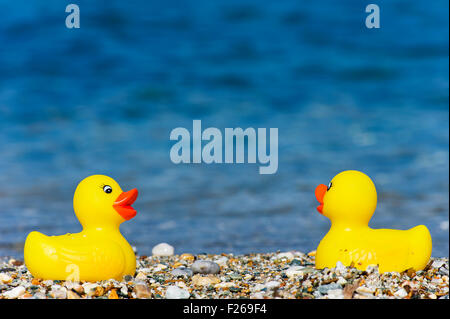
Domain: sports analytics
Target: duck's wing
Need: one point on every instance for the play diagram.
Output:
(103, 260)
(74, 258)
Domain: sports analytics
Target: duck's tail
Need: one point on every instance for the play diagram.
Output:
(419, 248)
(36, 253)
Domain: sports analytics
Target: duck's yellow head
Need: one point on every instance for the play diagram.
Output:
(349, 198)
(99, 201)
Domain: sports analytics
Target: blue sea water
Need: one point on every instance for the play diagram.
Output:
(104, 98)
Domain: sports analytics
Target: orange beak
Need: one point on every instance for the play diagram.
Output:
(320, 193)
(123, 204)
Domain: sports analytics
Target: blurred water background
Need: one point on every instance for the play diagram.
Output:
(104, 98)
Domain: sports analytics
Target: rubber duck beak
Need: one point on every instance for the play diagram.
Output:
(123, 204)
(320, 193)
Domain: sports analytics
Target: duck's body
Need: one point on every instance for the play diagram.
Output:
(91, 255)
(392, 250)
(349, 201)
(99, 252)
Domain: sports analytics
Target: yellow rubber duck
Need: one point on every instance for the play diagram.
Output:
(349, 201)
(99, 252)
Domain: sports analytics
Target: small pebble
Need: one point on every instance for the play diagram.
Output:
(174, 292)
(254, 275)
(142, 291)
(323, 289)
(187, 257)
(200, 280)
(401, 293)
(89, 288)
(287, 255)
(272, 285)
(14, 293)
(141, 276)
(205, 267)
(335, 294)
(182, 272)
(5, 278)
(72, 295)
(163, 249)
(294, 271)
(222, 261)
(59, 293)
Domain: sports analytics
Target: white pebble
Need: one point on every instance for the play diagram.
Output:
(14, 293)
(401, 293)
(222, 261)
(257, 295)
(182, 272)
(335, 294)
(141, 276)
(124, 289)
(47, 282)
(287, 255)
(272, 285)
(257, 287)
(372, 269)
(437, 263)
(294, 271)
(59, 293)
(163, 249)
(5, 279)
(174, 292)
(341, 281)
(89, 288)
(340, 267)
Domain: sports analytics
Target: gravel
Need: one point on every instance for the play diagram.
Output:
(289, 275)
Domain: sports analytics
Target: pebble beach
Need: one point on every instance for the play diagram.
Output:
(285, 275)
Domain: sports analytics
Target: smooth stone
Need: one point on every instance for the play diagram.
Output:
(14, 293)
(187, 257)
(340, 267)
(39, 295)
(72, 295)
(182, 272)
(163, 249)
(200, 280)
(5, 278)
(437, 263)
(272, 285)
(174, 292)
(89, 288)
(401, 293)
(294, 271)
(142, 291)
(141, 276)
(372, 269)
(47, 282)
(324, 288)
(257, 287)
(59, 293)
(336, 293)
(365, 291)
(205, 267)
(222, 261)
(287, 255)
(342, 281)
(296, 262)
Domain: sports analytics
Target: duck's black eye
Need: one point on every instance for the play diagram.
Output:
(107, 189)
(329, 186)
